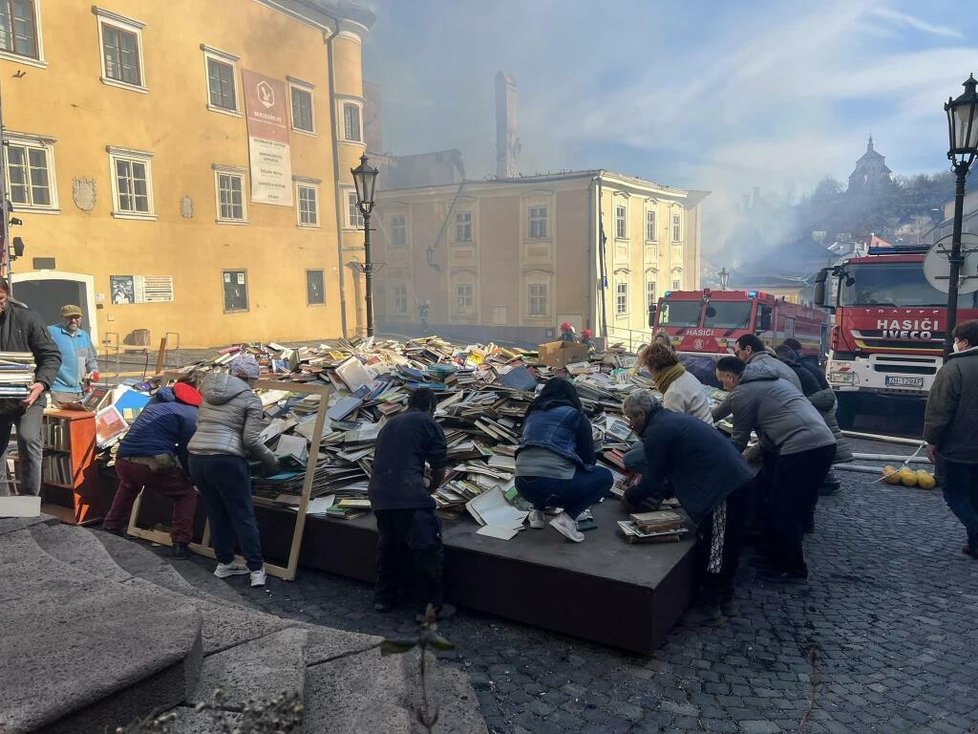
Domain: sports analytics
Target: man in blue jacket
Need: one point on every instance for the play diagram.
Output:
(711, 481)
(409, 547)
(153, 455)
(78, 356)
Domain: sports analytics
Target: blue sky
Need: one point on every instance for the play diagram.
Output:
(711, 95)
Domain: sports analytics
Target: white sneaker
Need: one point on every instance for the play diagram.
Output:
(537, 519)
(565, 525)
(234, 568)
(258, 578)
(586, 515)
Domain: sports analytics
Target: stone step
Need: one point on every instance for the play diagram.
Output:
(80, 549)
(71, 657)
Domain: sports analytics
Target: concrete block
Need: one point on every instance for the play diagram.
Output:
(77, 547)
(255, 670)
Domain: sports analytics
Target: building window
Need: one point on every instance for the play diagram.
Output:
(463, 226)
(132, 183)
(302, 117)
(464, 299)
(235, 290)
(677, 284)
(308, 198)
(677, 227)
(650, 225)
(221, 93)
(537, 300)
(351, 122)
(122, 58)
(399, 306)
(621, 221)
(354, 217)
(538, 222)
(315, 288)
(230, 196)
(621, 298)
(650, 296)
(399, 230)
(30, 174)
(18, 28)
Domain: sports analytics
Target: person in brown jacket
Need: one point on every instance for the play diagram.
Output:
(950, 427)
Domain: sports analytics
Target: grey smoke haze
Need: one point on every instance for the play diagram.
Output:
(709, 95)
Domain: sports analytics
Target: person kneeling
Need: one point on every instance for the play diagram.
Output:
(710, 479)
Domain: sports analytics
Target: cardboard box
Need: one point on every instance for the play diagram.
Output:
(562, 353)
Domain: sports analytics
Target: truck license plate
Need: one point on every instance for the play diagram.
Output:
(900, 381)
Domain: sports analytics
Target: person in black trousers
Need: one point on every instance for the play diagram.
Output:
(410, 555)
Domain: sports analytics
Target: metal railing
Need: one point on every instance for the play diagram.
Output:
(631, 339)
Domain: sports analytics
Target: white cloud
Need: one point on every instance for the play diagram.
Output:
(903, 19)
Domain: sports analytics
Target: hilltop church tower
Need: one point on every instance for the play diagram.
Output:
(870, 174)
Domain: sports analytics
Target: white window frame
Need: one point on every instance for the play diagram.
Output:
(305, 88)
(341, 117)
(309, 185)
(394, 228)
(127, 154)
(38, 143)
(221, 57)
(530, 297)
(532, 218)
(470, 224)
(235, 172)
(677, 283)
(348, 204)
(106, 17)
(651, 217)
(619, 296)
(38, 60)
(622, 233)
(651, 295)
(676, 224)
(456, 310)
(396, 300)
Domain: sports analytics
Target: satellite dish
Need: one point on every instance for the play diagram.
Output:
(937, 269)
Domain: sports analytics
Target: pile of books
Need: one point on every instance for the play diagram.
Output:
(661, 526)
(16, 374)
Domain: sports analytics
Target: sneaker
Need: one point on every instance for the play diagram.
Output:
(703, 615)
(234, 568)
(180, 551)
(565, 525)
(445, 611)
(258, 578)
(537, 519)
(585, 516)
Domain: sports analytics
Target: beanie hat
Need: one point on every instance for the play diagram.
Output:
(244, 366)
(187, 394)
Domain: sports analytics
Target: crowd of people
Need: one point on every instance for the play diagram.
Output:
(197, 436)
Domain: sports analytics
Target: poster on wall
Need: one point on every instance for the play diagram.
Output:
(266, 109)
(129, 289)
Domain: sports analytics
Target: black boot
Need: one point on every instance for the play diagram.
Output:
(180, 551)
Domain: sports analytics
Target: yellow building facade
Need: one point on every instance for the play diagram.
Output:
(147, 189)
(509, 260)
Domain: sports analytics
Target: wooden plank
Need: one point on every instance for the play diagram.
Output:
(161, 356)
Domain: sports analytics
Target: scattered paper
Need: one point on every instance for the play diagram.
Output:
(491, 508)
(497, 531)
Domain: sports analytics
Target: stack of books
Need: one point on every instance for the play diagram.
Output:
(661, 526)
(16, 374)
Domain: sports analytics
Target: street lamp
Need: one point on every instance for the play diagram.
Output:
(365, 180)
(724, 277)
(962, 127)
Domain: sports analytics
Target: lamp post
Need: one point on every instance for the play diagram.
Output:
(365, 180)
(724, 277)
(962, 126)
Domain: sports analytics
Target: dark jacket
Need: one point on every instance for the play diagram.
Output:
(700, 464)
(564, 430)
(165, 426)
(951, 419)
(404, 444)
(230, 422)
(809, 385)
(785, 420)
(825, 403)
(21, 330)
(811, 364)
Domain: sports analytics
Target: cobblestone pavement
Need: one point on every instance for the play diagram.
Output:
(882, 639)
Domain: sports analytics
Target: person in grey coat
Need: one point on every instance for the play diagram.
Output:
(749, 349)
(951, 427)
(229, 428)
(800, 445)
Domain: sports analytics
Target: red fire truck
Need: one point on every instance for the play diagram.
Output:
(888, 337)
(706, 323)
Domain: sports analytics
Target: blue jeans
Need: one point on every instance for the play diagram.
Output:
(961, 495)
(224, 483)
(575, 495)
